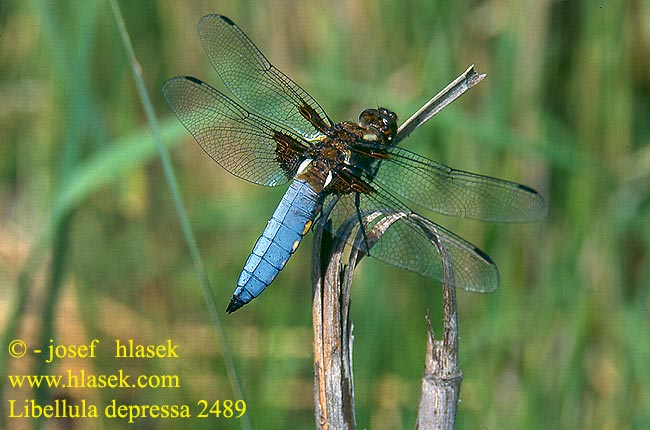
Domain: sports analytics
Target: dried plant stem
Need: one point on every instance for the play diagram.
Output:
(442, 374)
(334, 389)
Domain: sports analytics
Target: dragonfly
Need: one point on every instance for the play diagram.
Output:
(272, 132)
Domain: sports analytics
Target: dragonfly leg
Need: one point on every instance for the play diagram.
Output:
(357, 204)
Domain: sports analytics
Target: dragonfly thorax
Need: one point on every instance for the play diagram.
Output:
(345, 159)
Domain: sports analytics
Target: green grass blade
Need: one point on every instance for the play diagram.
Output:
(180, 208)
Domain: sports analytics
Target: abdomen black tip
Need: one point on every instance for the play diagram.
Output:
(235, 303)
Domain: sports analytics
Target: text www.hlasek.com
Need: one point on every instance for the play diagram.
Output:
(81, 379)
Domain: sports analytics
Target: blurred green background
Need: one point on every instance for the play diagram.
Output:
(91, 246)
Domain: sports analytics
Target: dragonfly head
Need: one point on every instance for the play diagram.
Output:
(382, 121)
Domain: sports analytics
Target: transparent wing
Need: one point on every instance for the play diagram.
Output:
(458, 193)
(256, 82)
(407, 243)
(248, 146)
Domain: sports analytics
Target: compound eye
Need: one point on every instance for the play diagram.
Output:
(368, 116)
(386, 112)
(389, 122)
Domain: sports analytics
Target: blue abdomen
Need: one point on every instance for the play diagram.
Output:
(282, 235)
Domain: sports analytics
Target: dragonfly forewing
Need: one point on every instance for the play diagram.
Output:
(453, 192)
(254, 80)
